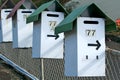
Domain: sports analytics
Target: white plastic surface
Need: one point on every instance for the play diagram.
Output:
(23, 32)
(51, 48)
(6, 26)
(45, 46)
(91, 58)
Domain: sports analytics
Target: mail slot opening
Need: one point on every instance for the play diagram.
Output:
(91, 22)
(26, 11)
(97, 57)
(52, 15)
(7, 11)
(86, 56)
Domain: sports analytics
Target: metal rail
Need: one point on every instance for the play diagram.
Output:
(15, 66)
(113, 51)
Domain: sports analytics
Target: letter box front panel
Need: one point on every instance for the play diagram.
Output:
(6, 26)
(91, 46)
(51, 48)
(24, 31)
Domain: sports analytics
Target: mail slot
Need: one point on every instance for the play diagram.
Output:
(22, 32)
(6, 26)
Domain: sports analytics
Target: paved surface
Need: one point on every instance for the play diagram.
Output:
(8, 73)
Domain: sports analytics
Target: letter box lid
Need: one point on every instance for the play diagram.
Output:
(35, 15)
(93, 11)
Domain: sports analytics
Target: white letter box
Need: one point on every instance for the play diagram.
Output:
(44, 43)
(22, 32)
(89, 59)
(6, 26)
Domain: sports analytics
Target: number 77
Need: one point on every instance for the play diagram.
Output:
(90, 32)
(52, 24)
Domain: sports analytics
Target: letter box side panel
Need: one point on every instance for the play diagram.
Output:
(70, 53)
(1, 37)
(14, 32)
(36, 40)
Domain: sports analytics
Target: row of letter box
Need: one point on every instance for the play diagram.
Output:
(41, 39)
(24, 35)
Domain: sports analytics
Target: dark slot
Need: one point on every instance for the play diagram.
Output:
(86, 56)
(56, 36)
(97, 57)
(91, 22)
(26, 11)
(51, 35)
(53, 15)
(7, 11)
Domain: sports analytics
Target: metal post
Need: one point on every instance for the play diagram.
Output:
(42, 68)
